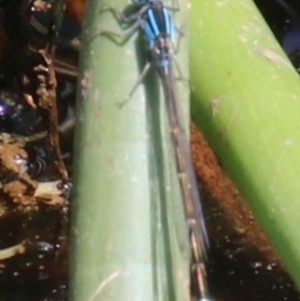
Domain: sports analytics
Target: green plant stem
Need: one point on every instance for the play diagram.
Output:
(129, 235)
(245, 99)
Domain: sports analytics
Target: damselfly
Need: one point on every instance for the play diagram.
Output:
(155, 19)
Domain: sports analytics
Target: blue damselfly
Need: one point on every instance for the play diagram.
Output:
(155, 20)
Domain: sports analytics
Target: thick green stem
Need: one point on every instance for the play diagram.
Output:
(246, 101)
(129, 234)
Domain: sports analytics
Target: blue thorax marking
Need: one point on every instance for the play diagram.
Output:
(159, 30)
(151, 20)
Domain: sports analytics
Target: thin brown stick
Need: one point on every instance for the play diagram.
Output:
(46, 93)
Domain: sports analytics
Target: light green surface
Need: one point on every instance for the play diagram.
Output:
(129, 239)
(246, 100)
